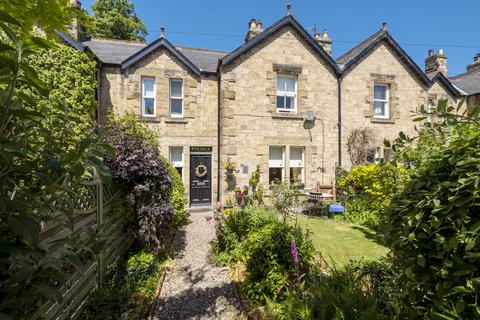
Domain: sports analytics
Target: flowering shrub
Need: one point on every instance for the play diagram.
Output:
(139, 167)
(367, 191)
(273, 264)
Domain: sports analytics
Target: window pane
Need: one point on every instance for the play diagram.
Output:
(179, 170)
(296, 157)
(274, 175)
(148, 87)
(149, 106)
(291, 84)
(276, 153)
(176, 107)
(176, 88)
(290, 103)
(296, 177)
(281, 83)
(379, 109)
(176, 154)
(380, 92)
(280, 102)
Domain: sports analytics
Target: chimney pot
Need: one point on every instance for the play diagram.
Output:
(259, 25)
(436, 62)
(324, 41)
(254, 28)
(475, 65)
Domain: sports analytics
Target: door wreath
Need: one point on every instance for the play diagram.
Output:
(201, 171)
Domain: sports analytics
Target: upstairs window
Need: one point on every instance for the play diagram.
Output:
(297, 167)
(176, 158)
(286, 93)
(176, 98)
(276, 165)
(148, 97)
(381, 105)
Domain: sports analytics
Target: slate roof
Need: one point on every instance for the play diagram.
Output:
(443, 80)
(353, 53)
(116, 52)
(469, 82)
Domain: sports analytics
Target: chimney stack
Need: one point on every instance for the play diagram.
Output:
(255, 27)
(324, 41)
(75, 29)
(475, 66)
(436, 62)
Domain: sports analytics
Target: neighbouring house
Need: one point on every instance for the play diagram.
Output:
(469, 82)
(280, 101)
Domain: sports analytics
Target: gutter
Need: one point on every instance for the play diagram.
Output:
(219, 107)
(339, 124)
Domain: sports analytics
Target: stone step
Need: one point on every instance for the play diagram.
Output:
(200, 208)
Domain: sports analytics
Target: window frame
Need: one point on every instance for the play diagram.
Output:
(284, 94)
(170, 97)
(177, 164)
(282, 164)
(154, 97)
(302, 166)
(386, 114)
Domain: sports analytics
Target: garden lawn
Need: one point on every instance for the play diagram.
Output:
(340, 242)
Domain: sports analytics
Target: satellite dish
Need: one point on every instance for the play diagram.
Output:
(309, 116)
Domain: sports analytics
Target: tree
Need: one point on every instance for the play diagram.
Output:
(116, 19)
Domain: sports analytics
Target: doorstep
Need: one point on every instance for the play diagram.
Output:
(200, 208)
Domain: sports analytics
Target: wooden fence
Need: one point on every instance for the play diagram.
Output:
(94, 210)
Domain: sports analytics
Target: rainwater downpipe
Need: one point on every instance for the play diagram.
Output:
(339, 121)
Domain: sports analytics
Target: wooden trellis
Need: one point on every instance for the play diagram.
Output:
(94, 211)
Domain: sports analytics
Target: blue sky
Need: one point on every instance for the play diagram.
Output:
(417, 25)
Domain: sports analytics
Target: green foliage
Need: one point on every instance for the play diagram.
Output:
(285, 199)
(367, 191)
(177, 199)
(70, 76)
(364, 290)
(39, 178)
(257, 189)
(236, 226)
(50, 14)
(270, 270)
(434, 223)
(130, 286)
(116, 19)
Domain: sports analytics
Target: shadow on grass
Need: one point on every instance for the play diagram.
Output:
(369, 234)
(198, 303)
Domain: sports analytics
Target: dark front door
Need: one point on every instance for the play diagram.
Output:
(200, 179)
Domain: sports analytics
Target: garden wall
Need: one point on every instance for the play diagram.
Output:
(94, 212)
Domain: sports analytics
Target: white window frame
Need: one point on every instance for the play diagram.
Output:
(386, 115)
(277, 163)
(285, 94)
(295, 164)
(176, 164)
(176, 98)
(149, 97)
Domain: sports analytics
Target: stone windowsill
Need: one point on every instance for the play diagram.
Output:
(151, 119)
(176, 120)
(293, 116)
(379, 120)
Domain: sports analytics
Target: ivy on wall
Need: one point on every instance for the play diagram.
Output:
(70, 76)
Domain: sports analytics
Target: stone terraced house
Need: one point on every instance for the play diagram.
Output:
(279, 101)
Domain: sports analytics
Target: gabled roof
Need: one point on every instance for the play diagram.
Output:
(351, 57)
(70, 41)
(469, 82)
(440, 78)
(285, 21)
(160, 43)
(113, 51)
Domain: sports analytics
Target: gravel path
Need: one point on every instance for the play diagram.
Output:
(193, 288)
